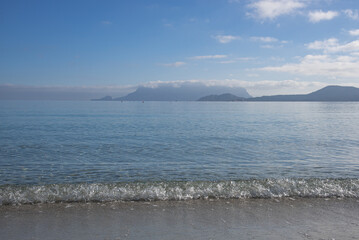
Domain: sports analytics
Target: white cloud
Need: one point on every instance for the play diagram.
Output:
(353, 14)
(337, 61)
(317, 16)
(264, 39)
(208, 57)
(325, 45)
(270, 9)
(226, 38)
(354, 32)
(322, 65)
(332, 45)
(175, 64)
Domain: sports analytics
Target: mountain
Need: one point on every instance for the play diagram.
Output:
(221, 98)
(107, 98)
(326, 94)
(184, 92)
(193, 92)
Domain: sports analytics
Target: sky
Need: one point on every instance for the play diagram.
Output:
(266, 46)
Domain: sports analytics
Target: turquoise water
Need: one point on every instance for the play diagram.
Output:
(87, 145)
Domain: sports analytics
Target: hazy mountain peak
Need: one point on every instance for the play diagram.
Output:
(180, 92)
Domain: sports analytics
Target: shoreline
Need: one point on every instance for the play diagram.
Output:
(179, 190)
(286, 218)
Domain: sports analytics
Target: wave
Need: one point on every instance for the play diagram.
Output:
(152, 191)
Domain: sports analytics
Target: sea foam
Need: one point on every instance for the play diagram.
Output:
(152, 191)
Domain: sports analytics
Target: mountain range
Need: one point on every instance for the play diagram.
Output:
(329, 93)
(184, 92)
(226, 97)
(215, 93)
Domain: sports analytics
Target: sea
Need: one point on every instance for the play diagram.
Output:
(84, 151)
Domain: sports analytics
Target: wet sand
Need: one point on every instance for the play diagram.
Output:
(200, 219)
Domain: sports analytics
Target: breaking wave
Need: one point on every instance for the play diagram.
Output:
(151, 191)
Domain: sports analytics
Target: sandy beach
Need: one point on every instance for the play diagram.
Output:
(199, 219)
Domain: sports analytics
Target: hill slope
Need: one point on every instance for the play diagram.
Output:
(190, 92)
(329, 93)
(221, 98)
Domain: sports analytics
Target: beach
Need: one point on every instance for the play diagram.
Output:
(285, 218)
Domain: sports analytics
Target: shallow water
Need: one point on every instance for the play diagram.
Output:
(44, 143)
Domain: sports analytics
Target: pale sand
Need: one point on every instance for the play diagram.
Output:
(200, 219)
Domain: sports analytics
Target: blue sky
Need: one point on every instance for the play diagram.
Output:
(266, 46)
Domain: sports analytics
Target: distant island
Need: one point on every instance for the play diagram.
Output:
(226, 97)
(326, 94)
(215, 94)
(184, 92)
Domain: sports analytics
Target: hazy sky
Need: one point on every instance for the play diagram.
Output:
(277, 44)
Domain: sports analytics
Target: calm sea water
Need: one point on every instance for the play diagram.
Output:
(184, 145)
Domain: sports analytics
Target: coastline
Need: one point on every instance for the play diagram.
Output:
(283, 218)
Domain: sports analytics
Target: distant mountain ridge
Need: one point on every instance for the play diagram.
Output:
(221, 98)
(184, 92)
(329, 93)
(204, 93)
(107, 98)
